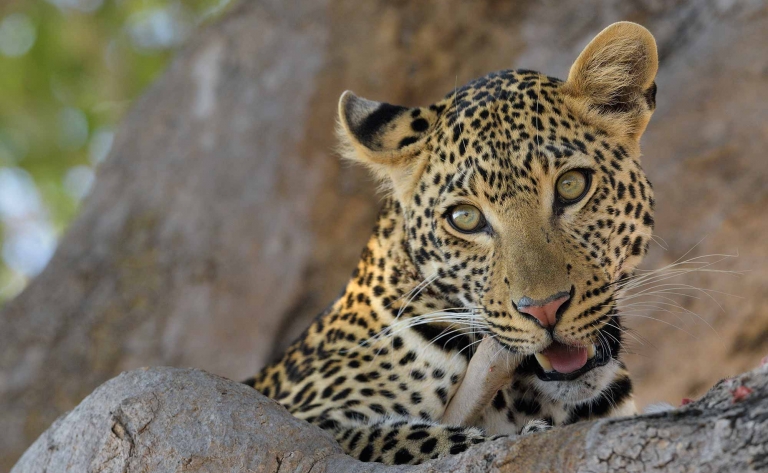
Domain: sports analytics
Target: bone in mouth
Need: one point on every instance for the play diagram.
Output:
(491, 367)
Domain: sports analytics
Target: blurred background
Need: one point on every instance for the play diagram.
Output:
(169, 193)
(69, 71)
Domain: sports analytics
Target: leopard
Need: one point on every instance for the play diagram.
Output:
(512, 210)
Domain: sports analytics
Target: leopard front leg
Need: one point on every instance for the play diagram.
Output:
(401, 441)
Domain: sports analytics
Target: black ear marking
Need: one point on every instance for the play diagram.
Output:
(650, 96)
(419, 125)
(407, 141)
(367, 119)
(379, 131)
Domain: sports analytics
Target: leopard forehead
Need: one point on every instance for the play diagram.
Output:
(500, 137)
(502, 140)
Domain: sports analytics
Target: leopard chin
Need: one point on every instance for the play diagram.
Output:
(571, 374)
(587, 386)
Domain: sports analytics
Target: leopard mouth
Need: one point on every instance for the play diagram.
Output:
(561, 362)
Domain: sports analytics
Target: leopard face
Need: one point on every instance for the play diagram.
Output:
(525, 203)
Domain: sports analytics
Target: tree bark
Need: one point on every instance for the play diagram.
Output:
(222, 221)
(169, 419)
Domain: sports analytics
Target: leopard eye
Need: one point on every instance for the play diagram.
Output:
(572, 186)
(466, 218)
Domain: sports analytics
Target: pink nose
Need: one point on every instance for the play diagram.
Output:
(545, 313)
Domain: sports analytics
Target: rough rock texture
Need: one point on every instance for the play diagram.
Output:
(183, 420)
(222, 220)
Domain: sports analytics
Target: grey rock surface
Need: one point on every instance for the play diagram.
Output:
(184, 420)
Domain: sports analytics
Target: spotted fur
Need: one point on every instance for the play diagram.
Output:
(379, 366)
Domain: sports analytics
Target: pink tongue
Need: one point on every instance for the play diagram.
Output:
(566, 358)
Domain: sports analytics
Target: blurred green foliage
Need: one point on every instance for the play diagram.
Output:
(69, 69)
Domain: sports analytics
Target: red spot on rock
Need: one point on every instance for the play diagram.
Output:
(686, 401)
(764, 361)
(741, 393)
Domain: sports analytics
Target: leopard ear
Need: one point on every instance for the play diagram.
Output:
(613, 78)
(388, 138)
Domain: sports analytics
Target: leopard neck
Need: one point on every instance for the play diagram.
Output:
(387, 294)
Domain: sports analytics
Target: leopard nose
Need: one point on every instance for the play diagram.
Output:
(546, 311)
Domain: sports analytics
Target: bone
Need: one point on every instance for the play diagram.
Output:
(490, 368)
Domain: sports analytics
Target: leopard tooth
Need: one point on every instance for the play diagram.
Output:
(591, 351)
(544, 362)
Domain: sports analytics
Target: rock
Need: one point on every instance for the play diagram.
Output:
(184, 420)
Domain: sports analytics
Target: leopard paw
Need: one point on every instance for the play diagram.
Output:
(536, 425)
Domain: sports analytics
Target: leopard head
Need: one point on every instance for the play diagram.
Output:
(523, 197)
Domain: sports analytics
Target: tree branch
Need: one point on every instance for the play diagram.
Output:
(168, 419)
